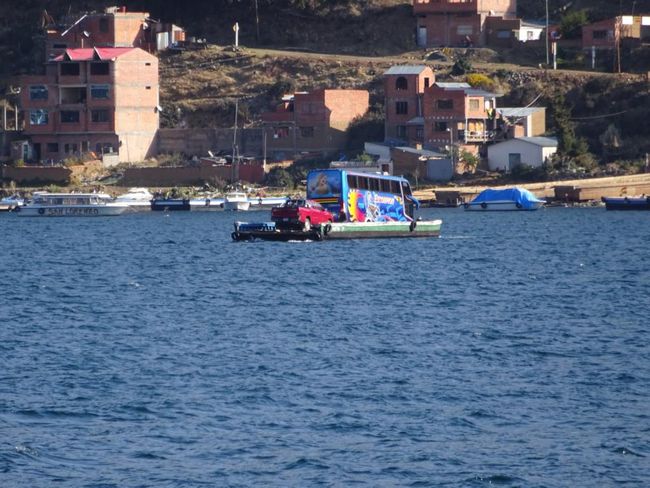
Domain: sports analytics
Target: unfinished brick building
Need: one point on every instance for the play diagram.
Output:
(314, 122)
(404, 88)
(459, 23)
(103, 100)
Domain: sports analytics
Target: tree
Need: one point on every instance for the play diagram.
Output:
(571, 24)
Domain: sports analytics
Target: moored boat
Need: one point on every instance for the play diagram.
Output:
(7, 204)
(237, 201)
(136, 199)
(627, 203)
(170, 204)
(505, 200)
(45, 204)
(206, 203)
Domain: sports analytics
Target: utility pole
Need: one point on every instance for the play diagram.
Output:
(547, 34)
(257, 23)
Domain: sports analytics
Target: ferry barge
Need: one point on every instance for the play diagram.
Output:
(343, 204)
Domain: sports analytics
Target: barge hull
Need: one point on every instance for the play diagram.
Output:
(349, 230)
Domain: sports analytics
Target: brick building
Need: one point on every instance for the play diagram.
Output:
(458, 22)
(93, 99)
(606, 33)
(115, 27)
(455, 114)
(404, 95)
(314, 122)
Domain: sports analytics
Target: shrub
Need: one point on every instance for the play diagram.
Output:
(478, 80)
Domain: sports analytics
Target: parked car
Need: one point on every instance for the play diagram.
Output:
(300, 214)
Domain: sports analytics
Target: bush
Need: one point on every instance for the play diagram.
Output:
(461, 66)
(478, 80)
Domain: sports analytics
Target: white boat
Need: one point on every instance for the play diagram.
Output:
(504, 200)
(136, 199)
(236, 201)
(259, 203)
(10, 203)
(46, 204)
(206, 203)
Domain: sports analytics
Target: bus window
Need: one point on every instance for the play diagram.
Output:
(352, 181)
(407, 188)
(362, 182)
(395, 188)
(384, 186)
(373, 184)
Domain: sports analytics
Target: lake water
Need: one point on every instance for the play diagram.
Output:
(150, 350)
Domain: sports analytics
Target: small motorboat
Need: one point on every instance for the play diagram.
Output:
(508, 199)
(170, 204)
(627, 203)
(237, 200)
(7, 204)
(136, 199)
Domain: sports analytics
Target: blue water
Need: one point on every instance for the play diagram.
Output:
(150, 350)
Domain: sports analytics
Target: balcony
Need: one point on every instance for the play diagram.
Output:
(476, 135)
(444, 6)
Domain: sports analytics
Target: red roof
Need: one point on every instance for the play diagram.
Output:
(93, 54)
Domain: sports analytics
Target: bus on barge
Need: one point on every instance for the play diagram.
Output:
(361, 204)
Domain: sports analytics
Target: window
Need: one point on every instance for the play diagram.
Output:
(419, 133)
(147, 87)
(99, 115)
(69, 69)
(384, 186)
(307, 132)
(473, 103)
(59, 46)
(440, 126)
(362, 182)
(38, 92)
(352, 181)
(600, 34)
(103, 24)
(401, 131)
(445, 104)
(38, 117)
(503, 34)
(99, 91)
(281, 132)
(99, 69)
(373, 184)
(70, 148)
(427, 81)
(103, 147)
(52, 147)
(465, 30)
(395, 188)
(69, 116)
(147, 64)
(401, 83)
(401, 108)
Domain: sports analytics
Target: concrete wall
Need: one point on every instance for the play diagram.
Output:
(191, 175)
(36, 174)
(197, 142)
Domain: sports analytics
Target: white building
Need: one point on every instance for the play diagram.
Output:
(530, 31)
(524, 151)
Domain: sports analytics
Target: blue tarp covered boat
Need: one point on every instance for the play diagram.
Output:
(508, 199)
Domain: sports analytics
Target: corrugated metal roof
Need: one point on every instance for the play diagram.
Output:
(90, 53)
(421, 152)
(518, 111)
(405, 69)
(539, 141)
(453, 85)
(416, 121)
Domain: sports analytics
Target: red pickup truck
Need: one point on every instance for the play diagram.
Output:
(300, 214)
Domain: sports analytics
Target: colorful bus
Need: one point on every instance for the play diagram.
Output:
(355, 196)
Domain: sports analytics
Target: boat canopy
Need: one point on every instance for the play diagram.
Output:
(518, 195)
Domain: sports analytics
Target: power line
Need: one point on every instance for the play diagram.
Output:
(600, 116)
